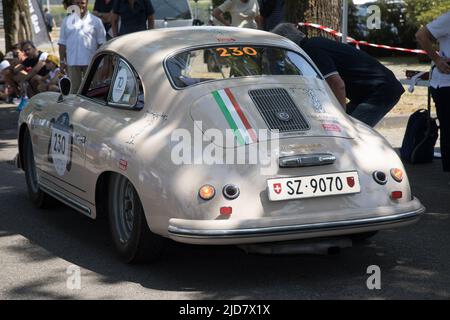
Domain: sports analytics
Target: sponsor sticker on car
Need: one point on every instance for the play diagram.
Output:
(313, 186)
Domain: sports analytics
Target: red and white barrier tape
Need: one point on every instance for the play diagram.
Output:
(362, 43)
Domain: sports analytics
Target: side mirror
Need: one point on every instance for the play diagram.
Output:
(65, 85)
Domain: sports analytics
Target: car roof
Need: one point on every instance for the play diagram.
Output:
(147, 50)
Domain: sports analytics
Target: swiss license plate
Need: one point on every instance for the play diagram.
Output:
(313, 186)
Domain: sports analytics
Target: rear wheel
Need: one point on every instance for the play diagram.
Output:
(129, 229)
(38, 197)
(361, 237)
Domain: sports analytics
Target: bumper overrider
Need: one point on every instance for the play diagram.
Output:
(223, 232)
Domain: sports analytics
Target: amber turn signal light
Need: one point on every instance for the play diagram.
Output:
(207, 192)
(397, 174)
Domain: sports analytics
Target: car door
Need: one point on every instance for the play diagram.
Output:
(61, 154)
(112, 96)
(63, 139)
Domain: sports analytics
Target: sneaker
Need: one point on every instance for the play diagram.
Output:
(22, 104)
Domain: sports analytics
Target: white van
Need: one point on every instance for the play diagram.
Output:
(172, 13)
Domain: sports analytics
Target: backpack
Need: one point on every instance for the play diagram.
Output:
(420, 136)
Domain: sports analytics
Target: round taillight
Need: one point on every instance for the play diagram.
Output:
(397, 174)
(231, 192)
(207, 192)
(380, 177)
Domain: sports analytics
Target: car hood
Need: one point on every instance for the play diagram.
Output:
(301, 108)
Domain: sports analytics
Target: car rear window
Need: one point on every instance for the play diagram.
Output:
(224, 62)
(171, 9)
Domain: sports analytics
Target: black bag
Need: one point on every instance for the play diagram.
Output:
(420, 136)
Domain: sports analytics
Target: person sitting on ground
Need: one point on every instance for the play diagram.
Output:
(29, 73)
(14, 57)
(51, 81)
(373, 89)
(4, 68)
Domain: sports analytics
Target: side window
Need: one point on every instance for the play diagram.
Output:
(98, 83)
(126, 88)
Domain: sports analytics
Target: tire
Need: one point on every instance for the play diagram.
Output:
(131, 235)
(361, 237)
(38, 197)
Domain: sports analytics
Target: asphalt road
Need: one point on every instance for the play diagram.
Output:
(38, 246)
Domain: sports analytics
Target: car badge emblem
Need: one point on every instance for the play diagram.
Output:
(283, 116)
(277, 188)
(351, 182)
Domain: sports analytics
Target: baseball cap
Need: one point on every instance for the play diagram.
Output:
(54, 59)
(3, 65)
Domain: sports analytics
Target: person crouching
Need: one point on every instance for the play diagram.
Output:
(51, 81)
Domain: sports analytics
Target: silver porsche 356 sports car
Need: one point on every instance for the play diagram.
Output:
(253, 151)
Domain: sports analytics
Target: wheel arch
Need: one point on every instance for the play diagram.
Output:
(101, 202)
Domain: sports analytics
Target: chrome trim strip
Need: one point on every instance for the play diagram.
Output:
(65, 199)
(306, 160)
(304, 228)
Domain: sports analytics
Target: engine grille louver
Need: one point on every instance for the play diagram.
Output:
(279, 110)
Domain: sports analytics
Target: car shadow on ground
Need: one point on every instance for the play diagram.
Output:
(414, 260)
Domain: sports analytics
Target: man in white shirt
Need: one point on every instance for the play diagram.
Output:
(244, 13)
(439, 31)
(80, 37)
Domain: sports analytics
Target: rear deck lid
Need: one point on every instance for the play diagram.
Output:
(252, 112)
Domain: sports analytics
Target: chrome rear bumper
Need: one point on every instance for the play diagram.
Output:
(300, 231)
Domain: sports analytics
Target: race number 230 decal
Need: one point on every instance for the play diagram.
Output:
(236, 51)
(60, 145)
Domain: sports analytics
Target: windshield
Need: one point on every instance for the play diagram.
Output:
(171, 9)
(217, 63)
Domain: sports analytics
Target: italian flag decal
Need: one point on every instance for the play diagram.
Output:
(236, 119)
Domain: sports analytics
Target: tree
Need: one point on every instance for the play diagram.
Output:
(421, 12)
(16, 20)
(324, 12)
